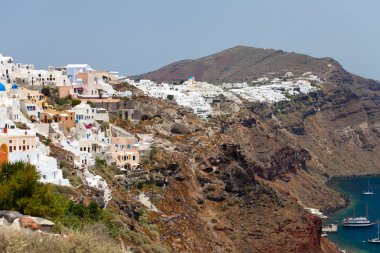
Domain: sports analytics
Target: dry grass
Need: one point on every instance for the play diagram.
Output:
(92, 240)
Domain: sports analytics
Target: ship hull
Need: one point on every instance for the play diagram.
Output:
(358, 225)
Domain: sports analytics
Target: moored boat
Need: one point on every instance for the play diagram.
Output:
(358, 221)
(377, 239)
(369, 190)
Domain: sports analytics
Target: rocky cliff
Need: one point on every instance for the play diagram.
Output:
(239, 181)
(227, 187)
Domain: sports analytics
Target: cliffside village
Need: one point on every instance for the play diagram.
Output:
(84, 131)
(202, 97)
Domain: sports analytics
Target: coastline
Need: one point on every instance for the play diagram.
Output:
(331, 183)
(339, 185)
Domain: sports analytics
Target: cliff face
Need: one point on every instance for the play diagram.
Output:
(228, 184)
(237, 183)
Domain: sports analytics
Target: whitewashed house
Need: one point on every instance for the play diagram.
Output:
(85, 113)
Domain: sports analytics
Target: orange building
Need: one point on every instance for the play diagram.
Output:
(66, 119)
(3, 153)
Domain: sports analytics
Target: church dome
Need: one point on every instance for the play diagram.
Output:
(15, 86)
(2, 87)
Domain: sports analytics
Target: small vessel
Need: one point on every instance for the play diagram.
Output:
(324, 235)
(358, 221)
(377, 239)
(369, 190)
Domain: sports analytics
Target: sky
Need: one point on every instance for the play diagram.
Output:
(137, 36)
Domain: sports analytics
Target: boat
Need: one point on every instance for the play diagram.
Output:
(358, 221)
(369, 190)
(377, 239)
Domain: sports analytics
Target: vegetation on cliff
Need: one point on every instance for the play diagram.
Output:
(20, 190)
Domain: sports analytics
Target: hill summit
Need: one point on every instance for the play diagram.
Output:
(240, 64)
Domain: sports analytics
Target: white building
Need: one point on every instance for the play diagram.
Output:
(72, 71)
(23, 145)
(85, 113)
(10, 104)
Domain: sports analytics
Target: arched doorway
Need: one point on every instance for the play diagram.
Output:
(3, 153)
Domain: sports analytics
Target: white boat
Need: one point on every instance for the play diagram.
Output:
(358, 221)
(369, 190)
(377, 239)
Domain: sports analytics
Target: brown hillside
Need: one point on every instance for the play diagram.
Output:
(239, 64)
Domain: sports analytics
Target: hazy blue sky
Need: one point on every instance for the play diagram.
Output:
(136, 36)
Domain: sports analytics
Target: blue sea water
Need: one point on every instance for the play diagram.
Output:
(355, 239)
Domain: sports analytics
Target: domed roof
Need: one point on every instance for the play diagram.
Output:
(14, 86)
(2, 87)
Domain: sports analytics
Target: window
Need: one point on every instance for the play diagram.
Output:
(27, 147)
(23, 148)
(15, 148)
(23, 141)
(10, 141)
(10, 149)
(19, 147)
(134, 158)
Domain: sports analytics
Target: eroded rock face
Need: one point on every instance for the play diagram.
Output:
(286, 160)
(178, 129)
(216, 185)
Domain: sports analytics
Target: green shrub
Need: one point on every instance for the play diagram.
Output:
(20, 190)
(68, 101)
(76, 215)
(75, 102)
(48, 141)
(100, 162)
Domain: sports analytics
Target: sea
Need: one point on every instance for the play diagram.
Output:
(355, 239)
